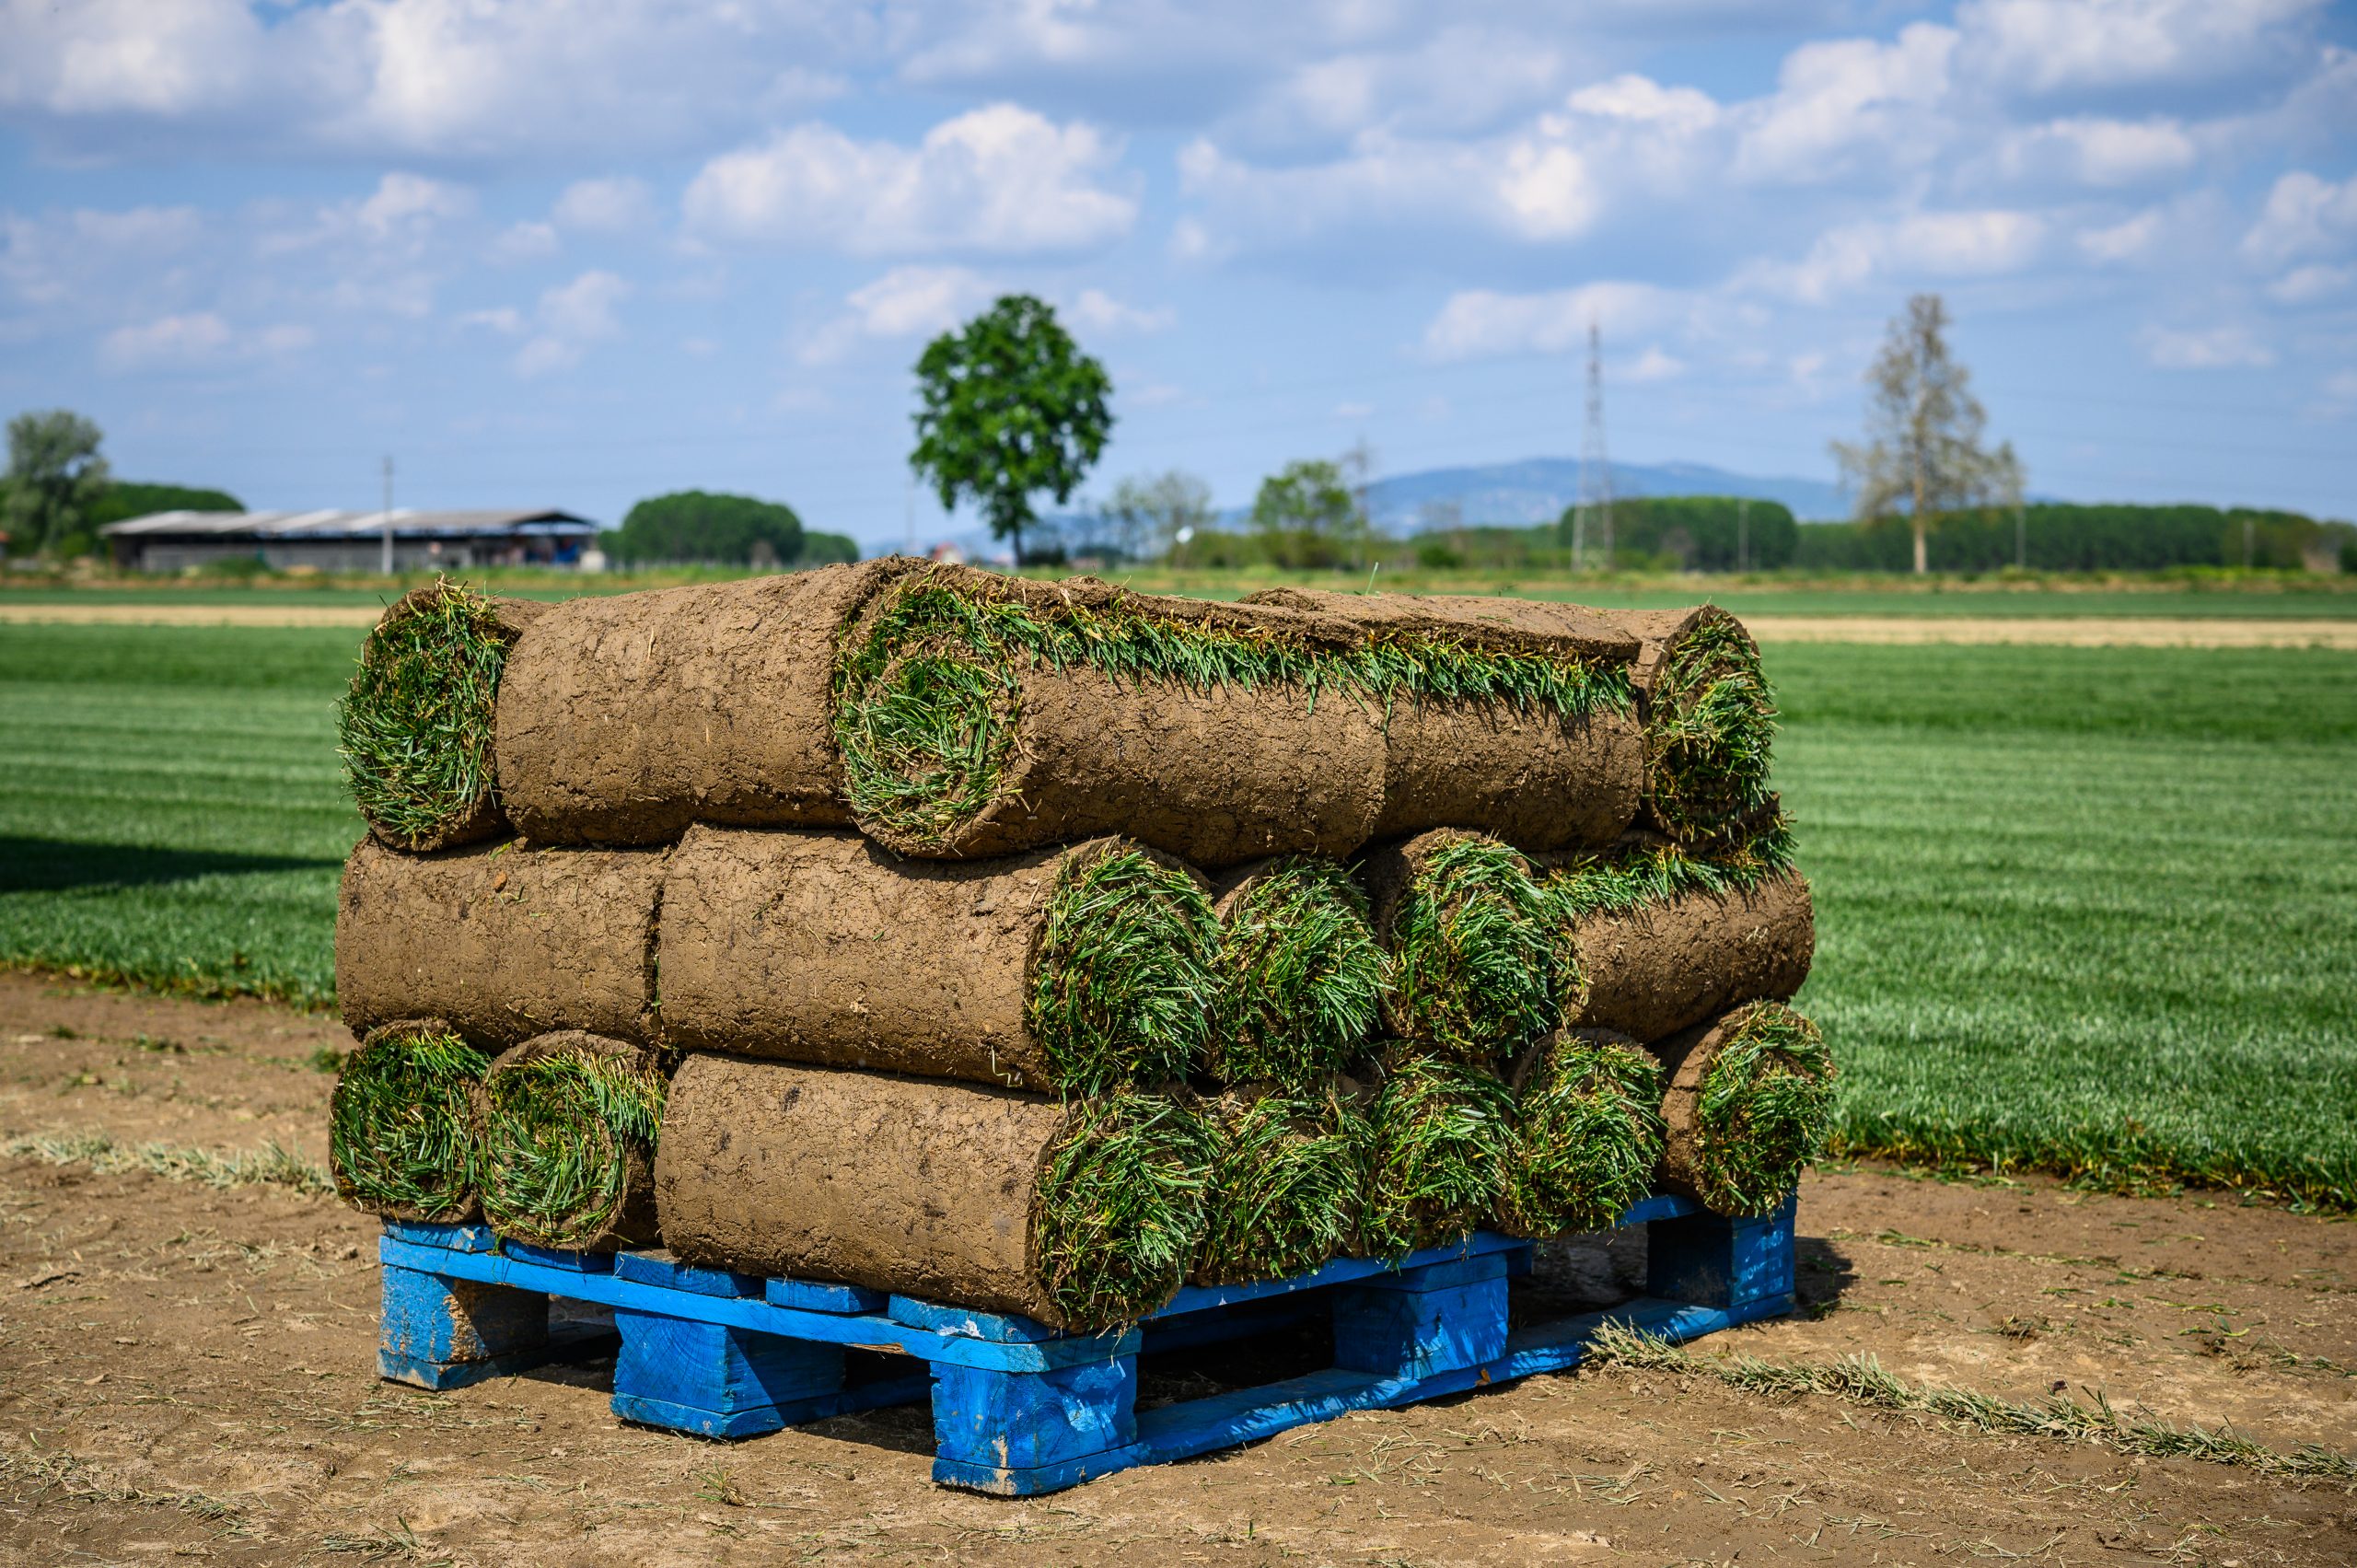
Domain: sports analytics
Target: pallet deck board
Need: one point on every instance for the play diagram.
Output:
(1020, 1408)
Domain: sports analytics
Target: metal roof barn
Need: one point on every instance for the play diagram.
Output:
(349, 542)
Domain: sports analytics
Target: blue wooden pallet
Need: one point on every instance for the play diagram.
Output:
(1019, 1408)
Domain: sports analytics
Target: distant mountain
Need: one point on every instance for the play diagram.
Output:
(1538, 489)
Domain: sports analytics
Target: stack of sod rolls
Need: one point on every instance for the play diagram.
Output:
(1043, 946)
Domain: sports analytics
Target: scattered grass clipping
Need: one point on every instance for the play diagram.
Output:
(1441, 1133)
(1477, 971)
(415, 726)
(928, 692)
(1587, 1135)
(1302, 979)
(1861, 1380)
(400, 1139)
(1119, 1209)
(1123, 986)
(273, 1165)
(1765, 1105)
(1710, 722)
(559, 1134)
(1287, 1175)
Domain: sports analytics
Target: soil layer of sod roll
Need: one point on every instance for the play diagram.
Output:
(503, 942)
(416, 727)
(1072, 969)
(1288, 1173)
(623, 719)
(1523, 764)
(1474, 943)
(1709, 719)
(1079, 1213)
(1750, 1100)
(1654, 941)
(400, 1140)
(1439, 1137)
(565, 1128)
(1587, 1134)
(980, 714)
(1302, 979)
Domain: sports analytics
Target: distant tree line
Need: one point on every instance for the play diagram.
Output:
(2060, 537)
(723, 529)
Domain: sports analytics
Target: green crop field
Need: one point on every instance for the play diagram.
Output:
(2084, 910)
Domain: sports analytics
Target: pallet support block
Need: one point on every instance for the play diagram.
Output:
(440, 1332)
(716, 1381)
(1420, 1322)
(1027, 1432)
(1741, 1266)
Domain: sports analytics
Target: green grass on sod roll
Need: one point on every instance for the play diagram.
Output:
(415, 728)
(1767, 1103)
(399, 1127)
(1287, 1175)
(557, 1135)
(1477, 971)
(1608, 883)
(1441, 1135)
(926, 693)
(1709, 724)
(1128, 969)
(1301, 977)
(1119, 1209)
(1588, 1136)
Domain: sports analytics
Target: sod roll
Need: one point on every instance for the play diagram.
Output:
(1750, 1100)
(1709, 721)
(1302, 979)
(1080, 1214)
(1439, 1137)
(1075, 969)
(503, 942)
(1288, 1173)
(416, 727)
(1474, 944)
(1536, 771)
(980, 714)
(1587, 1134)
(625, 718)
(565, 1128)
(1660, 956)
(400, 1138)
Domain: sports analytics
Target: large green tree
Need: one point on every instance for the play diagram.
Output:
(696, 525)
(55, 477)
(1305, 514)
(1009, 407)
(1923, 431)
(1151, 511)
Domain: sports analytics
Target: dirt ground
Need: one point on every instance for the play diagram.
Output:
(187, 1371)
(2139, 631)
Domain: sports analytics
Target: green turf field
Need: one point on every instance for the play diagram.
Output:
(2081, 909)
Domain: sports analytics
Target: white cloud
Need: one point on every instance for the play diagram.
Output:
(570, 319)
(2305, 286)
(47, 261)
(1921, 245)
(609, 206)
(522, 242)
(906, 302)
(2213, 348)
(1095, 310)
(2123, 241)
(168, 341)
(2304, 215)
(506, 319)
(2045, 45)
(120, 57)
(1480, 324)
(2100, 152)
(1654, 365)
(1001, 179)
(1839, 100)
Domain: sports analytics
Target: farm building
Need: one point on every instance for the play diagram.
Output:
(349, 542)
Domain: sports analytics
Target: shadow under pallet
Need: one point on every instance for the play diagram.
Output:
(1019, 1408)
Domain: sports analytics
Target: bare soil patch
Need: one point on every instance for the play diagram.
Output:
(187, 1371)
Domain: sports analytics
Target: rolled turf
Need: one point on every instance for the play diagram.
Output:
(1709, 719)
(1440, 1135)
(1750, 1101)
(1302, 979)
(1288, 1173)
(416, 727)
(1475, 945)
(567, 1125)
(1081, 1214)
(1542, 768)
(1073, 970)
(1654, 940)
(501, 941)
(400, 1136)
(1587, 1134)
(625, 718)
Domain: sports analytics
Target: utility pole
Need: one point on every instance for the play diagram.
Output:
(1596, 466)
(389, 515)
(1742, 534)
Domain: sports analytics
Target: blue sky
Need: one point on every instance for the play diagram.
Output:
(573, 253)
